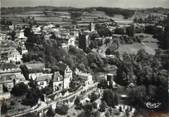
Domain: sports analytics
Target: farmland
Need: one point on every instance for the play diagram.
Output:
(149, 44)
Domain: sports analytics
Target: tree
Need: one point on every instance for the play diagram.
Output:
(88, 109)
(32, 97)
(137, 96)
(163, 36)
(103, 84)
(50, 112)
(47, 90)
(61, 109)
(119, 31)
(130, 31)
(107, 114)
(77, 101)
(149, 29)
(28, 32)
(4, 107)
(162, 87)
(121, 76)
(25, 71)
(19, 89)
(102, 30)
(12, 34)
(111, 50)
(75, 15)
(110, 97)
(93, 97)
(95, 61)
(5, 21)
(103, 106)
(5, 89)
(33, 83)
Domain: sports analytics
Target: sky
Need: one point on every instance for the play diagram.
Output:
(88, 3)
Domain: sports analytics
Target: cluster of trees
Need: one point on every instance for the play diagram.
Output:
(163, 35)
(92, 109)
(110, 97)
(12, 35)
(150, 19)
(14, 10)
(75, 83)
(29, 20)
(148, 75)
(5, 21)
(95, 62)
(126, 13)
(19, 89)
(85, 62)
(77, 58)
(31, 95)
(4, 107)
(75, 14)
(61, 109)
(128, 35)
(50, 52)
(125, 31)
(102, 30)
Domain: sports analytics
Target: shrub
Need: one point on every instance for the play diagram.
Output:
(61, 109)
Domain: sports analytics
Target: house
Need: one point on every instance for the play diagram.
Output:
(92, 27)
(4, 95)
(10, 54)
(24, 50)
(7, 81)
(57, 81)
(21, 35)
(2, 36)
(85, 77)
(35, 67)
(36, 29)
(8, 68)
(38, 72)
(66, 72)
(43, 80)
(72, 41)
(14, 56)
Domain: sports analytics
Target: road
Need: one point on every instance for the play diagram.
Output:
(43, 105)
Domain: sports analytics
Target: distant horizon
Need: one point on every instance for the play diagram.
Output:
(129, 4)
(79, 7)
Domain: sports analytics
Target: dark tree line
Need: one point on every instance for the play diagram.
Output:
(113, 11)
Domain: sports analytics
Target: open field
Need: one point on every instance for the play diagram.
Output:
(62, 16)
(133, 48)
(149, 44)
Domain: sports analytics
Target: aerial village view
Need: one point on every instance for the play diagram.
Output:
(84, 58)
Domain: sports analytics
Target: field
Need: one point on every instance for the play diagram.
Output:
(60, 17)
(149, 44)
